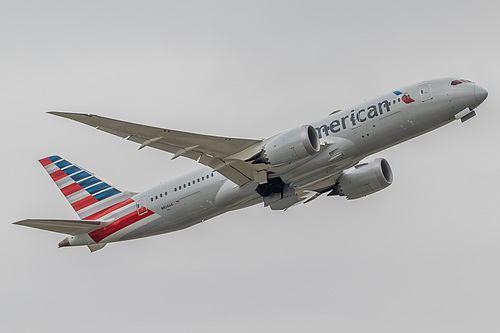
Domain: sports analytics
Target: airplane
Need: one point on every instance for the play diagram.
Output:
(294, 166)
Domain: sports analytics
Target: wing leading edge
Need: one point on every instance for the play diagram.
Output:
(70, 227)
(223, 154)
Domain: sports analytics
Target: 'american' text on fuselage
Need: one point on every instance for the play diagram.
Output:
(355, 118)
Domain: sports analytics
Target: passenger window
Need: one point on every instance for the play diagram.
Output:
(161, 195)
(189, 184)
(184, 185)
(165, 193)
(151, 199)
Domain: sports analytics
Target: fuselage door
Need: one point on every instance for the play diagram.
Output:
(425, 92)
(140, 205)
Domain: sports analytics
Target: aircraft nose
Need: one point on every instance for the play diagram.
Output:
(480, 93)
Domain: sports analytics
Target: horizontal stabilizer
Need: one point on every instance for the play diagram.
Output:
(70, 227)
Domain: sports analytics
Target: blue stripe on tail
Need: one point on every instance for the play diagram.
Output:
(105, 193)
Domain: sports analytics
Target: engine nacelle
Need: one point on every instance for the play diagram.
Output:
(291, 146)
(364, 179)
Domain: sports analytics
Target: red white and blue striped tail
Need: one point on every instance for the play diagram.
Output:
(89, 195)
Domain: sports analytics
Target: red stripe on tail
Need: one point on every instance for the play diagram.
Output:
(100, 234)
(70, 189)
(59, 174)
(108, 210)
(44, 162)
(85, 202)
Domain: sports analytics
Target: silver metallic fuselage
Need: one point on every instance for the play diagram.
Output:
(346, 137)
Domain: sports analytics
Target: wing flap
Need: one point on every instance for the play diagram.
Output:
(70, 227)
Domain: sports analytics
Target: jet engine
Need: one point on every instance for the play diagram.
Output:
(364, 179)
(290, 146)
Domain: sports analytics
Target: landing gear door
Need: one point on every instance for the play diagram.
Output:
(425, 92)
(140, 205)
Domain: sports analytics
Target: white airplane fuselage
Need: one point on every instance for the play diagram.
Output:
(346, 137)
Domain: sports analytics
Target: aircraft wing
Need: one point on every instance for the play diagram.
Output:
(223, 154)
(70, 227)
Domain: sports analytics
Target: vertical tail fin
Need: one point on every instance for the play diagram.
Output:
(88, 194)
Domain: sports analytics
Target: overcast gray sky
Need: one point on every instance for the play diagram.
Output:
(420, 256)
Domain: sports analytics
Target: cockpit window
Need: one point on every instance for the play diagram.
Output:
(456, 82)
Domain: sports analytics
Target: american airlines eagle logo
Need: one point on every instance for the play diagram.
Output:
(405, 98)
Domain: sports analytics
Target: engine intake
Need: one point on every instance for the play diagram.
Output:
(290, 146)
(364, 179)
